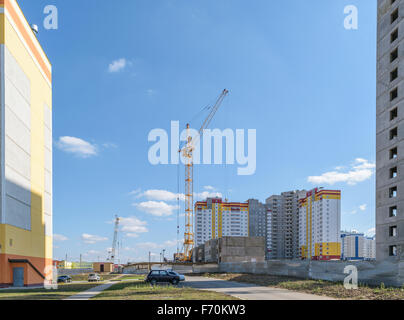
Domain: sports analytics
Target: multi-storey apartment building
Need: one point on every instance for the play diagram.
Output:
(216, 219)
(26, 152)
(257, 218)
(319, 225)
(390, 130)
(283, 225)
(356, 246)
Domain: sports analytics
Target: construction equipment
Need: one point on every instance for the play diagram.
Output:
(187, 152)
(111, 257)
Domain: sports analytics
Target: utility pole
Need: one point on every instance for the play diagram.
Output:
(164, 250)
(149, 261)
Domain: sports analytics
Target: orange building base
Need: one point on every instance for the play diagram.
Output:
(35, 269)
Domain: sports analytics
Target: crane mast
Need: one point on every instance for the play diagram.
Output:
(113, 249)
(187, 153)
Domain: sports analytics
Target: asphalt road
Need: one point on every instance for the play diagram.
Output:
(247, 291)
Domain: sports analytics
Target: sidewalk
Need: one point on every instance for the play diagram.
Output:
(91, 293)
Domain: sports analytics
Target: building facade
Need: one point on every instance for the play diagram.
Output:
(390, 130)
(283, 225)
(319, 225)
(26, 152)
(257, 218)
(215, 219)
(356, 246)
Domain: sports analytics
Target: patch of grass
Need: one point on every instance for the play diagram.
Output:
(84, 277)
(143, 291)
(318, 287)
(63, 291)
(132, 277)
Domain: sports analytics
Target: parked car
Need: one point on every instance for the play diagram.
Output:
(64, 279)
(182, 277)
(94, 277)
(156, 276)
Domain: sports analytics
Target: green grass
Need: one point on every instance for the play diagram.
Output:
(63, 291)
(143, 291)
(318, 287)
(84, 277)
(132, 277)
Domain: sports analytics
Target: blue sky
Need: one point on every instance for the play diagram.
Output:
(295, 74)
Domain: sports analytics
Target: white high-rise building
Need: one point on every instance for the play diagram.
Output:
(216, 219)
(356, 246)
(319, 225)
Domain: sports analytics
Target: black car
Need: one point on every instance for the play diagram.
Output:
(64, 279)
(156, 276)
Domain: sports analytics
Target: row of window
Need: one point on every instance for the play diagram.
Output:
(393, 132)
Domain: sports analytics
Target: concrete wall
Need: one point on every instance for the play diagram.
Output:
(69, 272)
(232, 249)
(391, 273)
(240, 249)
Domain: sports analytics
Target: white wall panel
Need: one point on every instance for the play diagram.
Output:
(17, 213)
(17, 186)
(16, 75)
(48, 225)
(17, 131)
(18, 104)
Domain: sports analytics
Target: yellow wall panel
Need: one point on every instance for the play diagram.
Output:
(2, 31)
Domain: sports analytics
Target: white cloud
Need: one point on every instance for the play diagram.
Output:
(165, 195)
(210, 188)
(92, 239)
(153, 245)
(156, 208)
(59, 237)
(151, 92)
(371, 232)
(159, 195)
(206, 194)
(360, 170)
(76, 146)
(363, 207)
(132, 226)
(117, 65)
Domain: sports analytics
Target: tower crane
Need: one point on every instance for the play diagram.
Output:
(113, 249)
(187, 152)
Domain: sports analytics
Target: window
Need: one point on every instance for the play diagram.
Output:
(393, 153)
(393, 94)
(393, 211)
(393, 172)
(393, 114)
(393, 251)
(393, 133)
(394, 74)
(393, 192)
(394, 36)
(394, 16)
(394, 55)
(393, 231)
